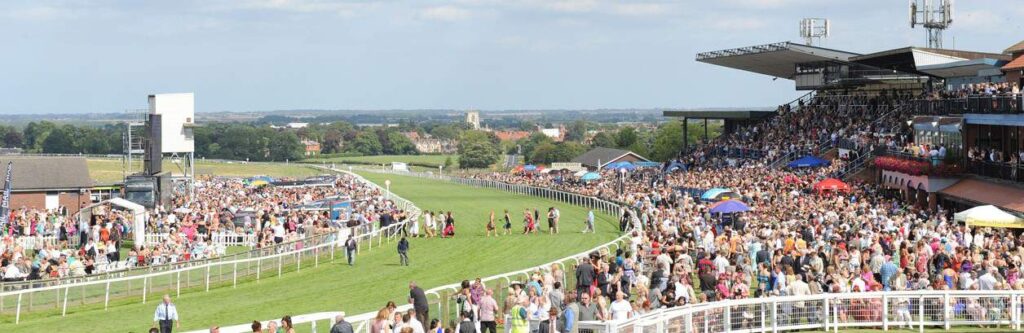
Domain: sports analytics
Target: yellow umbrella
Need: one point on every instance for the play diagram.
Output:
(988, 216)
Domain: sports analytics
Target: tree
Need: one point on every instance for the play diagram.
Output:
(59, 141)
(286, 146)
(448, 162)
(398, 144)
(477, 149)
(668, 141)
(543, 153)
(626, 137)
(603, 139)
(367, 143)
(577, 131)
(36, 133)
(477, 154)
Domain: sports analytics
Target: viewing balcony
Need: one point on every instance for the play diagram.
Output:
(994, 104)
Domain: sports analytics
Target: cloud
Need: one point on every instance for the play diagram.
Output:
(979, 21)
(570, 6)
(640, 9)
(737, 24)
(446, 13)
(40, 13)
(342, 8)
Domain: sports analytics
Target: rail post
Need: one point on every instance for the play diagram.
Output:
(885, 313)
(64, 311)
(207, 278)
(106, 297)
(17, 311)
(234, 276)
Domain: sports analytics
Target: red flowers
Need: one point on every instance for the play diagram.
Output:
(916, 168)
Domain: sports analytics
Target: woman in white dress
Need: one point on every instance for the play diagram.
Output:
(414, 230)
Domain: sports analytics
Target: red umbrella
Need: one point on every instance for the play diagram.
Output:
(832, 184)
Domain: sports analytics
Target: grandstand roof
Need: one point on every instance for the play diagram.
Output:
(962, 68)
(718, 114)
(777, 59)
(910, 59)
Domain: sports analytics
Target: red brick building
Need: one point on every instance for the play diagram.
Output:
(48, 182)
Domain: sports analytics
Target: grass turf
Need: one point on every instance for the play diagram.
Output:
(433, 160)
(109, 170)
(375, 279)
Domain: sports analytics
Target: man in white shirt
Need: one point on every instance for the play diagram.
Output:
(166, 315)
(620, 308)
(988, 280)
(417, 327)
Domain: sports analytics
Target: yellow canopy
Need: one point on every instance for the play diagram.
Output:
(988, 216)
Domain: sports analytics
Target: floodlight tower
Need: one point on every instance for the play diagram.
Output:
(814, 29)
(934, 15)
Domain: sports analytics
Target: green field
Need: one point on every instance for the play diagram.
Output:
(425, 160)
(105, 171)
(375, 279)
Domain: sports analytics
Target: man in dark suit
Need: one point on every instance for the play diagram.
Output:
(554, 324)
(585, 276)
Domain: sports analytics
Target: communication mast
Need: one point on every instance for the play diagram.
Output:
(813, 30)
(934, 15)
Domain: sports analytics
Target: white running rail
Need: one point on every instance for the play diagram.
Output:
(831, 312)
(201, 275)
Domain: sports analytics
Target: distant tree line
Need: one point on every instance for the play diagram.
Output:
(261, 142)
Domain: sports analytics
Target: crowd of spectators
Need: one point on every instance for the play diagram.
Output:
(978, 89)
(223, 211)
(794, 241)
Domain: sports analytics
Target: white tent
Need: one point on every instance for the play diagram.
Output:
(988, 216)
(138, 216)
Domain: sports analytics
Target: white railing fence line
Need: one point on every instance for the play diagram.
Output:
(825, 312)
(362, 322)
(97, 289)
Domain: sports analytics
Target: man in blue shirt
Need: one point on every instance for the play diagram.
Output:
(888, 270)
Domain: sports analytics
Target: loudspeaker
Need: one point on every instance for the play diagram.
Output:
(153, 161)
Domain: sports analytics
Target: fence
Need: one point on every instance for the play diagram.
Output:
(217, 239)
(37, 242)
(440, 298)
(194, 276)
(1005, 104)
(911, 309)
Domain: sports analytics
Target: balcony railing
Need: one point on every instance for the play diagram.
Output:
(990, 104)
(1000, 170)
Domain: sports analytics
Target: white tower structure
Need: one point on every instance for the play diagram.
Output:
(814, 29)
(934, 15)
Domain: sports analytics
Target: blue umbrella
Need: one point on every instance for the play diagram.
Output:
(530, 167)
(590, 176)
(712, 193)
(621, 165)
(808, 162)
(729, 207)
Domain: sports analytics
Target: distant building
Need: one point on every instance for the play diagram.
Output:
(48, 182)
(511, 135)
(312, 147)
(557, 134)
(1015, 67)
(598, 157)
(473, 118)
(427, 144)
(297, 125)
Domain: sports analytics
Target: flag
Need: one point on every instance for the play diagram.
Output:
(5, 210)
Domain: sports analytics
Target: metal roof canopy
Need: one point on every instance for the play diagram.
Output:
(776, 59)
(911, 59)
(963, 68)
(718, 114)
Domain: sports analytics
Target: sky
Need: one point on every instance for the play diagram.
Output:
(99, 56)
